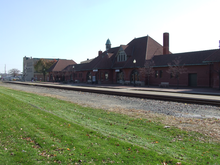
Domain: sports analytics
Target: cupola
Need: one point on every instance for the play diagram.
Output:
(108, 44)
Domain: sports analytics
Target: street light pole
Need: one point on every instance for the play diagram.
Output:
(73, 74)
(44, 75)
(134, 62)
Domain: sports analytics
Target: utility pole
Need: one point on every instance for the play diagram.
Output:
(5, 71)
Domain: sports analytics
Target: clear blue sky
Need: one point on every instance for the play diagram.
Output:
(78, 29)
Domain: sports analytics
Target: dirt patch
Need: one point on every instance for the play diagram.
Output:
(52, 95)
(208, 126)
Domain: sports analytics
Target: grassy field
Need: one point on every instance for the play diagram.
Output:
(43, 130)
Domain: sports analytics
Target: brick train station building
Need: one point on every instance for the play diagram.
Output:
(124, 65)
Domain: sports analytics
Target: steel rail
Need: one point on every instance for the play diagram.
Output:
(107, 91)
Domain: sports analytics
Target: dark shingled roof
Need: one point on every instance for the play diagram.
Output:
(214, 57)
(188, 58)
(141, 49)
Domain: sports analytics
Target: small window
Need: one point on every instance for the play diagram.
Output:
(171, 75)
(156, 73)
(106, 76)
(161, 73)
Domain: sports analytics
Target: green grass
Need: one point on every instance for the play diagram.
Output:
(40, 130)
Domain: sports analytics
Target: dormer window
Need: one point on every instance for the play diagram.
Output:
(121, 56)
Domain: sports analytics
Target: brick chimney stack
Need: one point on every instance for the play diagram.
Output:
(166, 43)
(100, 52)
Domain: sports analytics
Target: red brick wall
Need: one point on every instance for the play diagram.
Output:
(40, 76)
(202, 72)
(127, 74)
(206, 76)
(216, 78)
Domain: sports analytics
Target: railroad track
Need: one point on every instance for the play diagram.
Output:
(166, 96)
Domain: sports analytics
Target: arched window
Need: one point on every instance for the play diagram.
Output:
(120, 77)
(106, 76)
(121, 56)
(134, 74)
(89, 76)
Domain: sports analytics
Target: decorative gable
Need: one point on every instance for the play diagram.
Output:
(121, 55)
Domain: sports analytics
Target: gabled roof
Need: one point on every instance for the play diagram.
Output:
(107, 59)
(87, 66)
(60, 65)
(187, 58)
(139, 48)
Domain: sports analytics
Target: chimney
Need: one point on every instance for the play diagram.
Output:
(166, 43)
(100, 52)
(219, 44)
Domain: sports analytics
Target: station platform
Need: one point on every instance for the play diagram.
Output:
(202, 91)
(182, 94)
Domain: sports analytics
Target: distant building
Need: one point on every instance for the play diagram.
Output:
(28, 69)
(60, 74)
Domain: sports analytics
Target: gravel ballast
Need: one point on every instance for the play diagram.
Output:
(109, 101)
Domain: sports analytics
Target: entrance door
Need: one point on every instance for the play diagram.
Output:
(192, 77)
(120, 77)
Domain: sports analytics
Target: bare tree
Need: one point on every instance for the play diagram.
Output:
(148, 70)
(14, 72)
(176, 69)
(43, 65)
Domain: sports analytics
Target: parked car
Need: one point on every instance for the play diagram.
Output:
(14, 79)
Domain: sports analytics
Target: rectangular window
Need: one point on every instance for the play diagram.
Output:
(156, 73)
(161, 73)
(171, 75)
(106, 76)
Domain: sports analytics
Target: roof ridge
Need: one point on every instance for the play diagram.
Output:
(187, 52)
(197, 51)
(137, 39)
